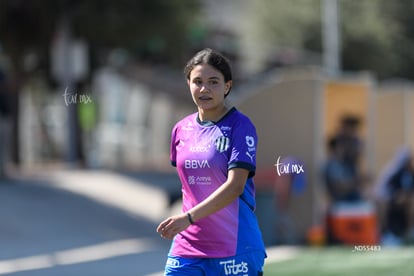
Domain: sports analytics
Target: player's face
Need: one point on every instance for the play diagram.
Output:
(207, 87)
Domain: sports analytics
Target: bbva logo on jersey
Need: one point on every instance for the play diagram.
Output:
(196, 164)
(222, 143)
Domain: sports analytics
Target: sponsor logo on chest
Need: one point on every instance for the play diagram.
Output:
(199, 148)
(196, 164)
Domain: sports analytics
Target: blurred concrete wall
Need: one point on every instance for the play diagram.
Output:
(287, 112)
(352, 94)
(394, 123)
(136, 119)
(133, 121)
(295, 111)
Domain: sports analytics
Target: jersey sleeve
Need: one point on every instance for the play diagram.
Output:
(243, 147)
(173, 146)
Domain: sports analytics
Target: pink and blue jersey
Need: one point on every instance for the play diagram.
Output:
(203, 153)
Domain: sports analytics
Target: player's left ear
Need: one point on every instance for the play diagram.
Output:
(228, 86)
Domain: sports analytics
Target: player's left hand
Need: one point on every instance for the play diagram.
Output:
(172, 226)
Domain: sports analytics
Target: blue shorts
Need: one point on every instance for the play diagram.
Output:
(250, 264)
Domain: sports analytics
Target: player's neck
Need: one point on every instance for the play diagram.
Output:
(213, 115)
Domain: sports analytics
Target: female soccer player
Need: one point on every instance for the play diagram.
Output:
(214, 151)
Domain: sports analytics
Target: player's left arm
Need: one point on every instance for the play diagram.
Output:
(223, 196)
(220, 198)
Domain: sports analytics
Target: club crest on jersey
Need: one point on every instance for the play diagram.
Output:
(222, 143)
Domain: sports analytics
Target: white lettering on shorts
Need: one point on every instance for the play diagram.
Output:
(231, 268)
(173, 263)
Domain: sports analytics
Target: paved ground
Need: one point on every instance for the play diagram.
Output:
(76, 222)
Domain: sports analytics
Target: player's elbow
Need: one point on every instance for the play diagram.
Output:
(238, 189)
(234, 190)
(237, 179)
